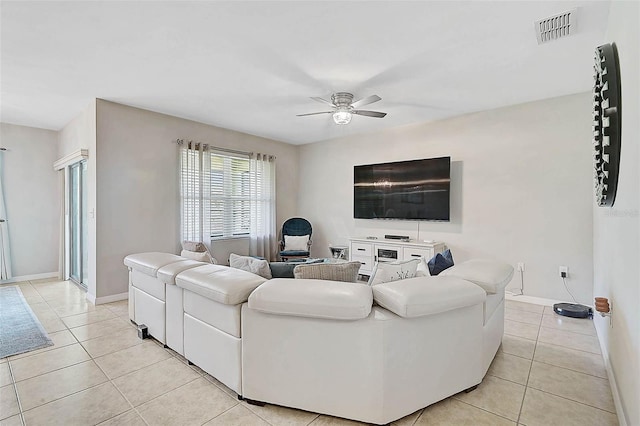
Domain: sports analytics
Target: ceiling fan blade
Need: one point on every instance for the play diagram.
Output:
(374, 114)
(366, 101)
(315, 113)
(324, 101)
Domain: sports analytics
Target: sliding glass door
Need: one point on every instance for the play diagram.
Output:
(78, 223)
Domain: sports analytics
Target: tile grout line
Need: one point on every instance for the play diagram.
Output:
(91, 358)
(55, 369)
(575, 371)
(573, 400)
(526, 386)
(548, 363)
(476, 407)
(419, 415)
(15, 390)
(135, 408)
(568, 331)
(111, 381)
(228, 409)
(65, 396)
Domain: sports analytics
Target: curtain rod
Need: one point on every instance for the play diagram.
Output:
(233, 151)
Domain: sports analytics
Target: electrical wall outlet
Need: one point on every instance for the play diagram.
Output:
(564, 271)
(520, 266)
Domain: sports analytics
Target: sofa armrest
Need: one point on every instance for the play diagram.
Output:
(491, 275)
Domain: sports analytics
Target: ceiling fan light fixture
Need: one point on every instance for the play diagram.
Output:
(342, 117)
(344, 108)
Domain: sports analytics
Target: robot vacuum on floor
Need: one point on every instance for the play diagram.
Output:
(572, 310)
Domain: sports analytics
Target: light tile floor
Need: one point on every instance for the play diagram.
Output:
(99, 372)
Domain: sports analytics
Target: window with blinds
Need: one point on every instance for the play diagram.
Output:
(230, 206)
(215, 191)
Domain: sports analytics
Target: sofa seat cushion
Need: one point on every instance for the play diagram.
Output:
(149, 263)
(491, 275)
(420, 296)
(313, 298)
(223, 317)
(167, 274)
(294, 253)
(220, 283)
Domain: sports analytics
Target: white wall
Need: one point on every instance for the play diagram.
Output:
(78, 133)
(616, 244)
(32, 196)
(521, 188)
(137, 184)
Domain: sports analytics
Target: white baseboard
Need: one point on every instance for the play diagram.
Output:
(617, 402)
(107, 299)
(23, 278)
(530, 299)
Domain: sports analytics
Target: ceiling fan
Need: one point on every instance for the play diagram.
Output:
(344, 107)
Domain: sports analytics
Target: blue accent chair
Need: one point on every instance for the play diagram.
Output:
(295, 226)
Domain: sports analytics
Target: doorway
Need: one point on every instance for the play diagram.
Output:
(77, 249)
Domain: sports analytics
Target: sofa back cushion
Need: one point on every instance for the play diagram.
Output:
(149, 263)
(313, 299)
(219, 283)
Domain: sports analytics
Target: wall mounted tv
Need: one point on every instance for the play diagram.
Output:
(408, 190)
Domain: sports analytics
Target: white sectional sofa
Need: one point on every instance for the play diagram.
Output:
(373, 354)
(153, 296)
(493, 278)
(213, 298)
(322, 347)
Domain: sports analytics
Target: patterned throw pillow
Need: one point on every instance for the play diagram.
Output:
(250, 264)
(346, 271)
(385, 272)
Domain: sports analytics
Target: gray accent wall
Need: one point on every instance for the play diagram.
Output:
(32, 192)
(137, 204)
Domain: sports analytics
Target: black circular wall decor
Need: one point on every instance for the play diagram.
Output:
(606, 123)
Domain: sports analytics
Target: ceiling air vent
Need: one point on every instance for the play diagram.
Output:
(557, 26)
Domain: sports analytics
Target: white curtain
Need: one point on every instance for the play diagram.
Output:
(5, 252)
(263, 206)
(195, 192)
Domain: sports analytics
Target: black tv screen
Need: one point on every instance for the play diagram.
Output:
(409, 190)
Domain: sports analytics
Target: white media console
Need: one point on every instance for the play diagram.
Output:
(369, 251)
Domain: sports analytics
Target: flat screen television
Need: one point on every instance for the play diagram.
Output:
(408, 190)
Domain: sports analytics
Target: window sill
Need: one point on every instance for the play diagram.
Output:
(240, 237)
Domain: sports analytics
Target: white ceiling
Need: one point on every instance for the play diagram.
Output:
(252, 66)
